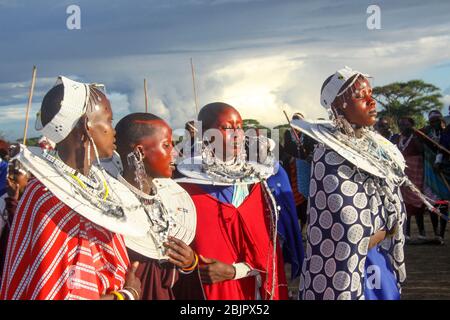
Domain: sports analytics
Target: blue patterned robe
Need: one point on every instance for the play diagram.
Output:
(346, 206)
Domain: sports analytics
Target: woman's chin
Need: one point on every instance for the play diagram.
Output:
(169, 172)
(106, 154)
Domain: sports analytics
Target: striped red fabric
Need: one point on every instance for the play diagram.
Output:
(298, 197)
(55, 253)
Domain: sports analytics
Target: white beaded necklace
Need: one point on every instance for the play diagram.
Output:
(93, 187)
(401, 145)
(161, 221)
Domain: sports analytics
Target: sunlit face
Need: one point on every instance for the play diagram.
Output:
(360, 108)
(229, 123)
(100, 128)
(158, 151)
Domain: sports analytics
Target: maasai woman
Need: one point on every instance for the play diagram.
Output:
(144, 143)
(354, 199)
(63, 242)
(236, 236)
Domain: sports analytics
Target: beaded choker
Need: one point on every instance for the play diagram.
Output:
(93, 187)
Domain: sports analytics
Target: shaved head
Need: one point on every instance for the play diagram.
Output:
(150, 136)
(208, 114)
(132, 128)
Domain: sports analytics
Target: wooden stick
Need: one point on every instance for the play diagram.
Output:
(145, 95)
(30, 98)
(439, 146)
(192, 127)
(195, 90)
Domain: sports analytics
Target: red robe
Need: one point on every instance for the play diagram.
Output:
(55, 253)
(233, 235)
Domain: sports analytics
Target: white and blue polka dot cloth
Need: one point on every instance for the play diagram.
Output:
(345, 207)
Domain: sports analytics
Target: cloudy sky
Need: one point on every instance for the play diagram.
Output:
(262, 56)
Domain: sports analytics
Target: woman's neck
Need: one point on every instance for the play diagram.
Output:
(358, 132)
(75, 158)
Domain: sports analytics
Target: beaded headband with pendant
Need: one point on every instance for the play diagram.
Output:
(334, 87)
(73, 107)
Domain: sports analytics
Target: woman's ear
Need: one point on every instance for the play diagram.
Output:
(84, 126)
(140, 151)
(339, 105)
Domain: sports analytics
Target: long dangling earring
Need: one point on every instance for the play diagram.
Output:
(89, 152)
(135, 160)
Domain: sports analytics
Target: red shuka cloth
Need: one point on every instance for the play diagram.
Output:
(233, 235)
(55, 253)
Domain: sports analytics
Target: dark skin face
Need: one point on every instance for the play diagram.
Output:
(436, 122)
(383, 124)
(361, 107)
(229, 123)
(405, 126)
(97, 123)
(16, 184)
(361, 111)
(157, 151)
(99, 126)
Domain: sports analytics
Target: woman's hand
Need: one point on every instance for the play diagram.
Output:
(213, 271)
(132, 280)
(179, 253)
(13, 188)
(377, 238)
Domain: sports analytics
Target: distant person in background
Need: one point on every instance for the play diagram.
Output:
(288, 227)
(437, 177)
(411, 147)
(17, 180)
(296, 158)
(383, 127)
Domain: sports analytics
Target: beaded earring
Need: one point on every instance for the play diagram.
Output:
(134, 159)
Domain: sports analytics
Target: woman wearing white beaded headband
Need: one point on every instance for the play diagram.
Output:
(71, 209)
(355, 214)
